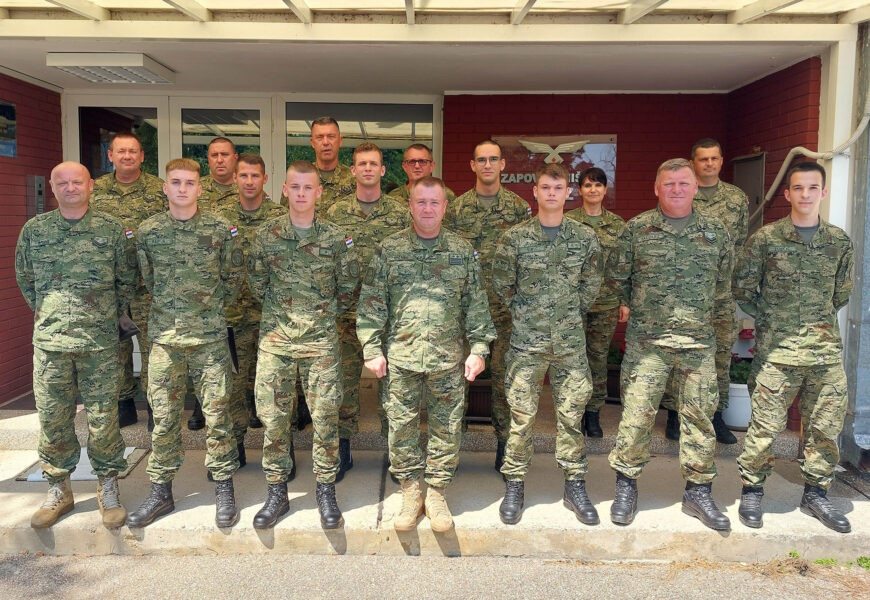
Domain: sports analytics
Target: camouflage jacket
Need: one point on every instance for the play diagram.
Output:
(245, 310)
(402, 194)
(367, 231)
(77, 278)
(418, 305)
(193, 269)
(607, 230)
(548, 286)
(143, 199)
(794, 291)
(730, 206)
(216, 196)
(481, 227)
(303, 283)
(674, 283)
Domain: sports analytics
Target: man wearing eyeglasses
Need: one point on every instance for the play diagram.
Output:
(480, 215)
(418, 163)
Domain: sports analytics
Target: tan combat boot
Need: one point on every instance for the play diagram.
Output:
(58, 502)
(437, 510)
(109, 499)
(412, 506)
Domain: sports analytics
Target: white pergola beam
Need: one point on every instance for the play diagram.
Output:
(521, 10)
(85, 8)
(758, 9)
(409, 11)
(192, 9)
(4, 13)
(855, 16)
(300, 9)
(637, 10)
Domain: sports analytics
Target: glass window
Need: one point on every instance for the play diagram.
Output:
(199, 126)
(97, 125)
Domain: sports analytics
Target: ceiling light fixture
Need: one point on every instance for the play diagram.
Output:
(111, 67)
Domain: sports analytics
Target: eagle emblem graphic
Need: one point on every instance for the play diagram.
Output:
(553, 153)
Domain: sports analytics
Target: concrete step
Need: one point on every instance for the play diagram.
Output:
(369, 501)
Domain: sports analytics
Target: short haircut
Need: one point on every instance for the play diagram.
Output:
(805, 167)
(554, 170)
(593, 174)
(304, 167)
(249, 158)
(183, 164)
(706, 143)
(429, 182)
(422, 147)
(224, 140)
(674, 164)
(125, 135)
(325, 121)
(486, 141)
(367, 147)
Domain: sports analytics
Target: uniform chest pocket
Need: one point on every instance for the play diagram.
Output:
(401, 273)
(572, 269)
(323, 278)
(44, 256)
(532, 273)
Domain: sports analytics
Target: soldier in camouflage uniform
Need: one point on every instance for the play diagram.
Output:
(600, 321)
(547, 272)
(219, 190)
(193, 264)
(304, 271)
(368, 218)
(248, 212)
(480, 215)
(421, 301)
(417, 162)
(131, 196)
(729, 204)
(672, 268)
(76, 268)
(793, 276)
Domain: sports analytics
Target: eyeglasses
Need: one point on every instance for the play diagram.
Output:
(417, 162)
(482, 160)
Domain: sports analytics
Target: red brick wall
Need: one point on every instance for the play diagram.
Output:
(39, 149)
(776, 114)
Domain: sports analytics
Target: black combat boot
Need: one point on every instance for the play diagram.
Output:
(672, 429)
(723, 434)
(159, 502)
(624, 507)
(345, 458)
(511, 508)
(197, 419)
(750, 512)
(816, 504)
(254, 421)
(698, 503)
(330, 516)
(577, 500)
(292, 454)
(226, 514)
(127, 412)
(592, 425)
(276, 504)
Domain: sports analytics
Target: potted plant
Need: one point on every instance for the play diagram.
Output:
(736, 416)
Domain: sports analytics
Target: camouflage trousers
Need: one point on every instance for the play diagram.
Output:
(58, 377)
(209, 367)
(599, 332)
(572, 387)
(139, 309)
(352, 368)
(823, 399)
(246, 336)
(645, 371)
(726, 335)
(275, 393)
(499, 410)
(445, 406)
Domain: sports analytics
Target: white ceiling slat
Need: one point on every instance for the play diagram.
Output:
(521, 10)
(409, 11)
(300, 9)
(191, 8)
(84, 8)
(637, 10)
(758, 9)
(4, 13)
(855, 16)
